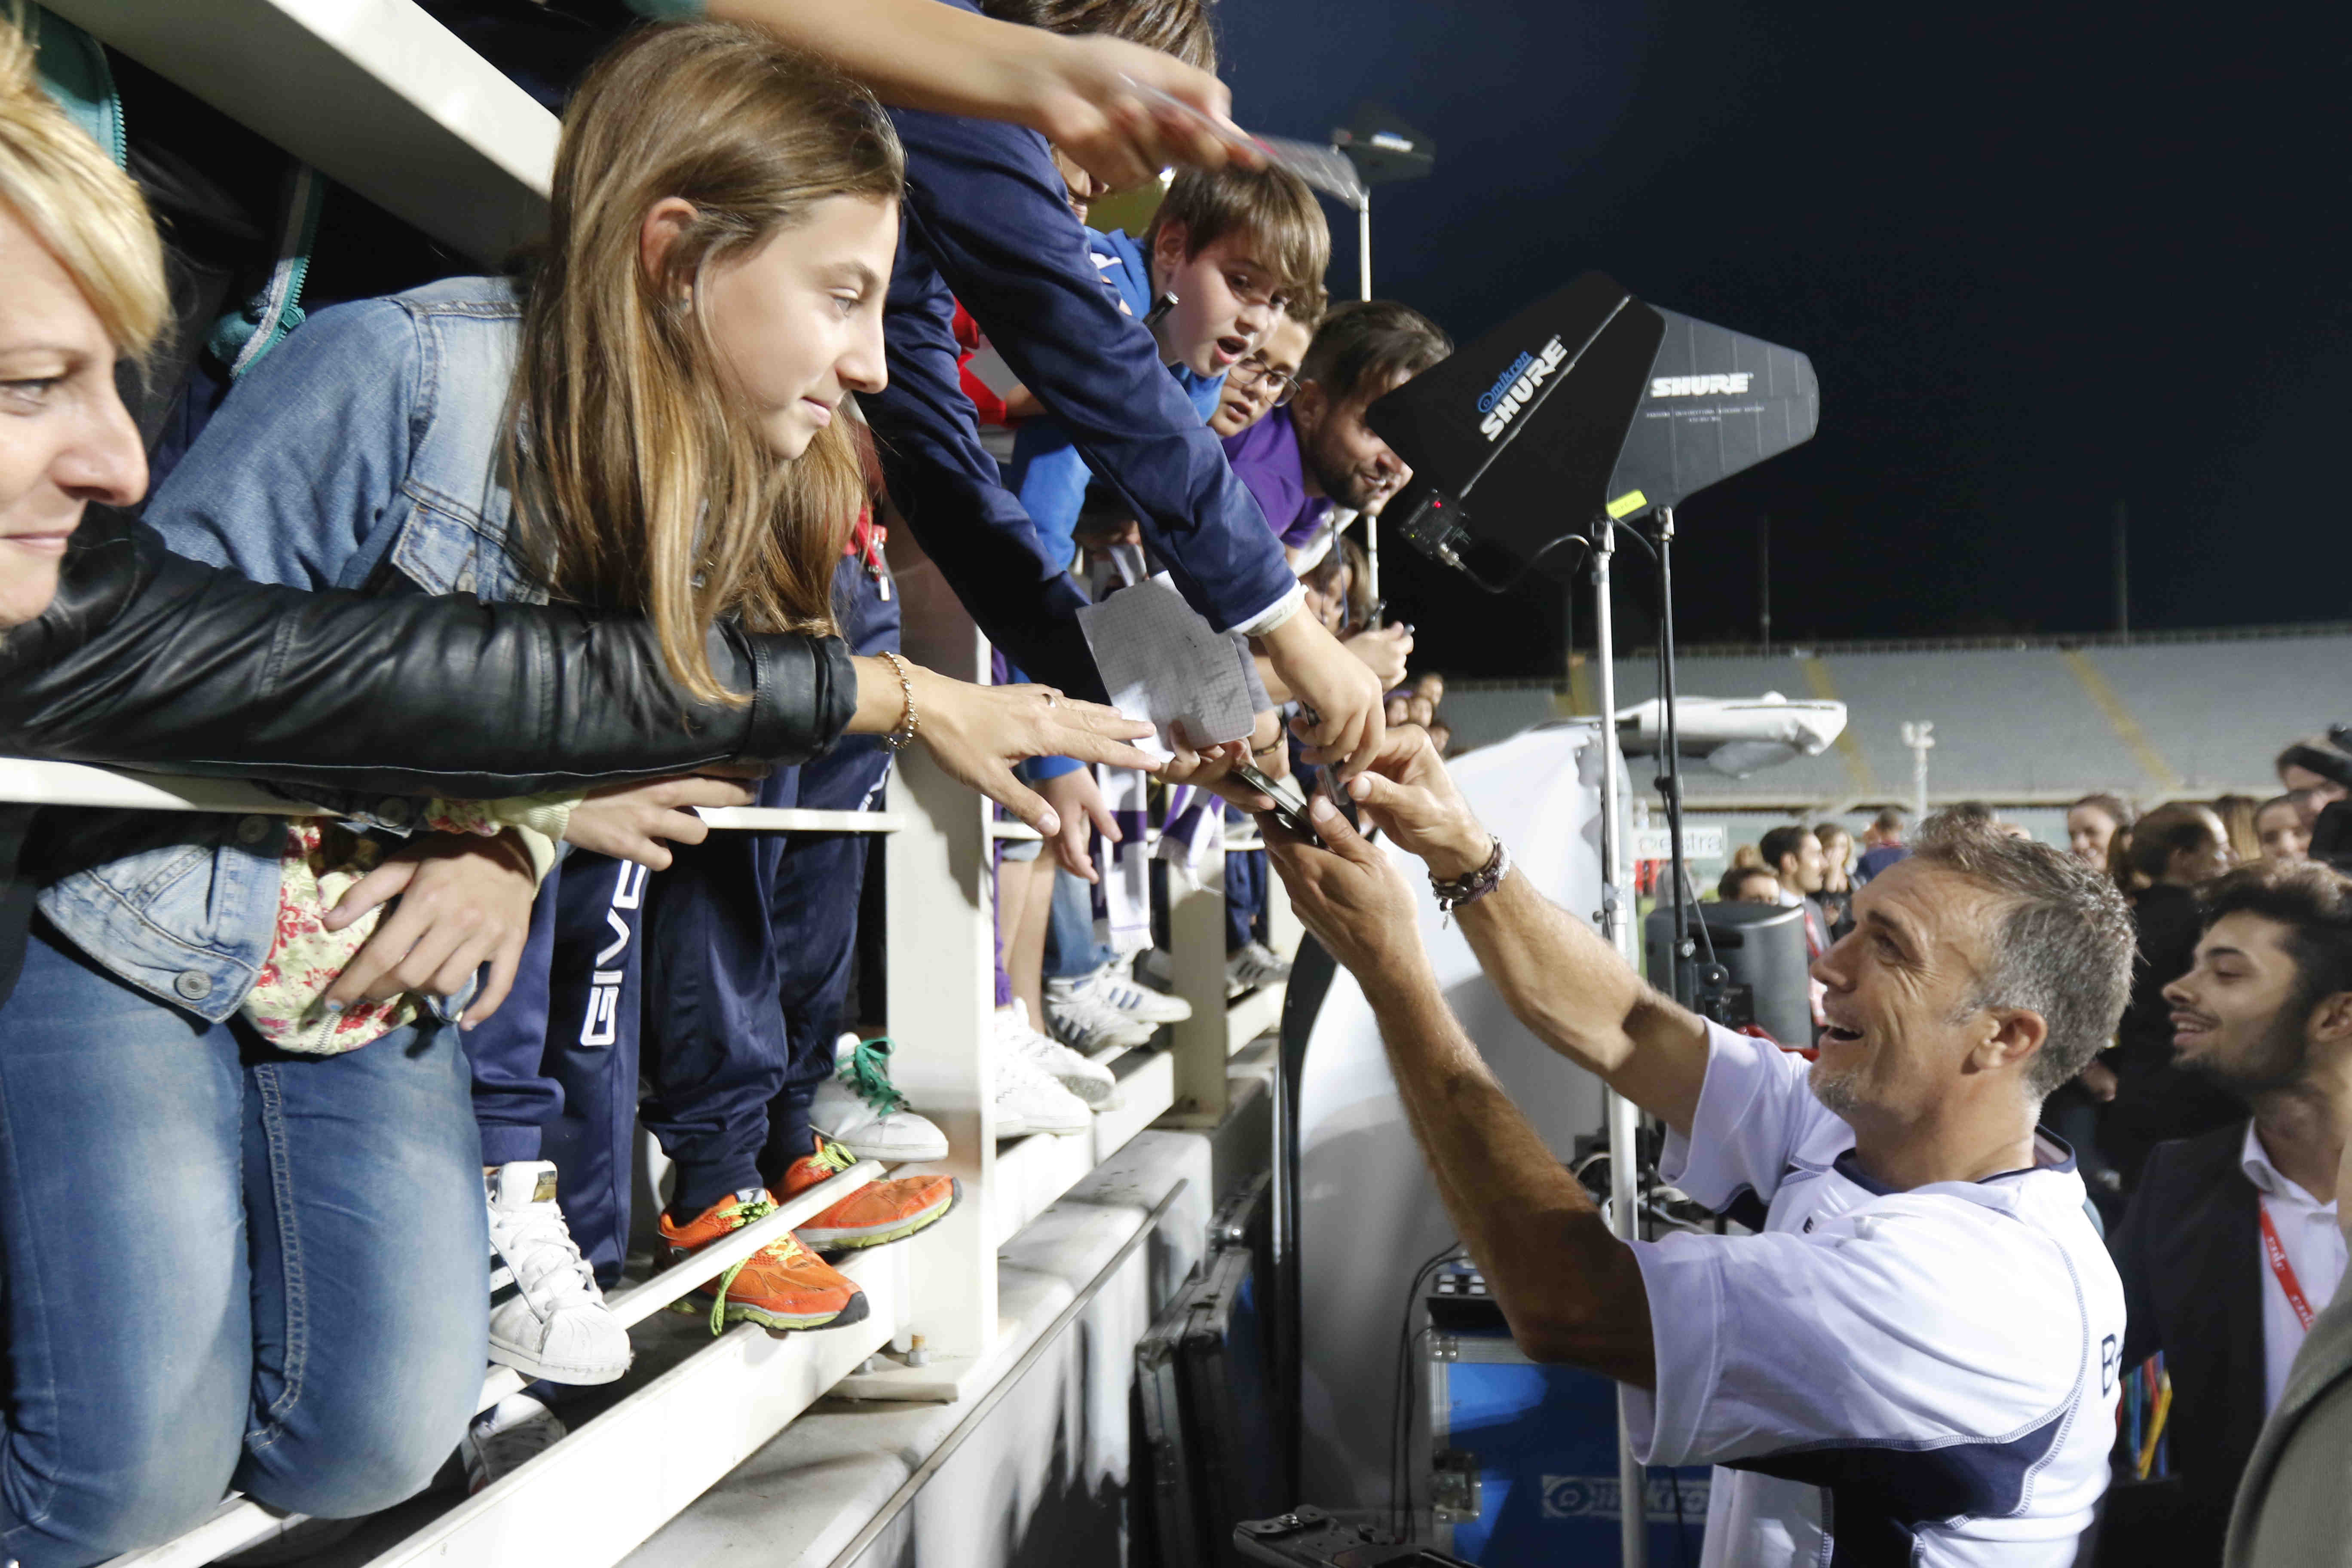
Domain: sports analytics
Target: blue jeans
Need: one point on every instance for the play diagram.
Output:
(225, 1267)
(1071, 947)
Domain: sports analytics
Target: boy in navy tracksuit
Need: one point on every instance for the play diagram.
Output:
(1237, 252)
(987, 222)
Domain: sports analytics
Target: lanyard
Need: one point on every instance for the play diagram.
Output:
(2275, 1253)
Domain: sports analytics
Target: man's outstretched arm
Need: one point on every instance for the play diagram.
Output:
(1570, 1290)
(1565, 984)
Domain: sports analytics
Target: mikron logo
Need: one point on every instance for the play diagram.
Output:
(1665, 1498)
(1515, 385)
(1700, 386)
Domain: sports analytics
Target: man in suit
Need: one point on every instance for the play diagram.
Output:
(2232, 1245)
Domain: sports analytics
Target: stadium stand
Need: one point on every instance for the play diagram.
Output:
(2023, 723)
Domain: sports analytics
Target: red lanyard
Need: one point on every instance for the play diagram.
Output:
(2275, 1253)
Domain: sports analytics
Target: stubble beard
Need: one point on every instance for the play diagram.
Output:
(2278, 1061)
(1838, 1092)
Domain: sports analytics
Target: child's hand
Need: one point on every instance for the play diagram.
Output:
(1078, 801)
(464, 901)
(630, 822)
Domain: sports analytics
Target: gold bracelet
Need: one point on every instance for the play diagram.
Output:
(900, 738)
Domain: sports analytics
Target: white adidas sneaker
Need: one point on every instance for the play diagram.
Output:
(1249, 967)
(1076, 1015)
(547, 1318)
(1090, 1080)
(505, 1437)
(1028, 1099)
(1114, 983)
(859, 1106)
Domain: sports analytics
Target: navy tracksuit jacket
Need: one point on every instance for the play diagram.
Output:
(987, 222)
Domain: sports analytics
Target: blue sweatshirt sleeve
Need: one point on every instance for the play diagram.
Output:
(987, 218)
(1050, 477)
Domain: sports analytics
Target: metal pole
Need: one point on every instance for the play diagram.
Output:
(1632, 1512)
(2123, 569)
(1364, 289)
(1919, 737)
(1364, 247)
(1670, 768)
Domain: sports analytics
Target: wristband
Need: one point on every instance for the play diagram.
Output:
(1453, 893)
(900, 738)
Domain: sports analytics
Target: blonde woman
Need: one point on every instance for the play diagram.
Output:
(266, 1271)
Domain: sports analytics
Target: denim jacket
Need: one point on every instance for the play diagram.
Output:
(362, 453)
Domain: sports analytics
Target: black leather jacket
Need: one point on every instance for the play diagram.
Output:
(151, 660)
(148, 659)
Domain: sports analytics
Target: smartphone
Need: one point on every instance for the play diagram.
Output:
(1289, 806)
(1324, 168)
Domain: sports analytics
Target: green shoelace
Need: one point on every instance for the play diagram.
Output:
(757, 1209)
(867, 1073)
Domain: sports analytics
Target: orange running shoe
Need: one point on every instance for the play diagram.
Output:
(874, 1213)
(782, 1286)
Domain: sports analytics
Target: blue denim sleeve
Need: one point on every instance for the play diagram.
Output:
(987, 218)
(293, 479)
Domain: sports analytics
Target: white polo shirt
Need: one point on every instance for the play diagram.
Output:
(1923, 1377)
(2315, 1250)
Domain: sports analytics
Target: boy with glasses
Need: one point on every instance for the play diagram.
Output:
(1313, 454)
(1267, 379)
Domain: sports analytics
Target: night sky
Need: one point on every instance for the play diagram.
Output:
(2044, 258)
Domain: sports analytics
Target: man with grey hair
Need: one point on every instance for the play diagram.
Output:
(1916, 1361)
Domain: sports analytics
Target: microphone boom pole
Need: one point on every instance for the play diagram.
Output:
(1618, 929)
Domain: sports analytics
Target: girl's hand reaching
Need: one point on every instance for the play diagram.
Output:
(977, 733)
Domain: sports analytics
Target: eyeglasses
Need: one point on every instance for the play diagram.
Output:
(1254, 372)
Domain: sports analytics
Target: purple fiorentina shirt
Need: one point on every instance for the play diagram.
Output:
(1265, 458)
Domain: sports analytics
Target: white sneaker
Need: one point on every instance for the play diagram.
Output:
(1092, 1082)
(859, 1106)
(1077, 1016)
(501, 1439)
(1116, 983)
(1027, 1099)
(1251, 966)
(547, 1318)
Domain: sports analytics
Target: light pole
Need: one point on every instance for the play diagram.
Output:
(1920, 736)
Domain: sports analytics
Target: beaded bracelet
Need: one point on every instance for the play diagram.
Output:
(1453, 893)
(900, 738)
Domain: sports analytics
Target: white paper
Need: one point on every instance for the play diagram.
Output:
(1161, 661)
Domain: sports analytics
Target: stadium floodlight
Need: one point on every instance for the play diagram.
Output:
(1384, 149)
